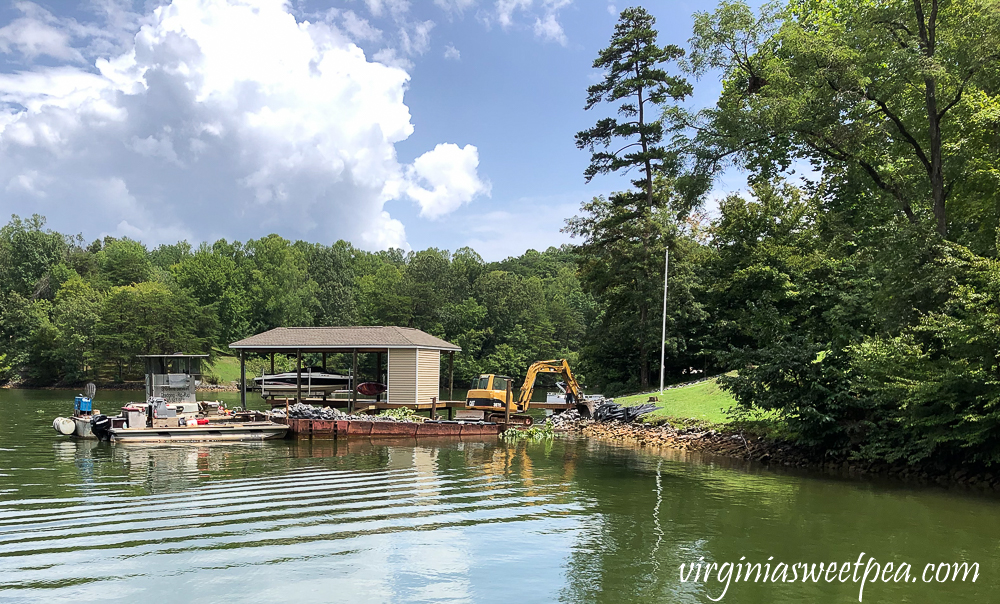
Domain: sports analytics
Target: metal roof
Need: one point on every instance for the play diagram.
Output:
(326, 339)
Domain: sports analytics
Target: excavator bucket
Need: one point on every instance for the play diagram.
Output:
(586, 409)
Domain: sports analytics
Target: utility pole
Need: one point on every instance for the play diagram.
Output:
(663, 335)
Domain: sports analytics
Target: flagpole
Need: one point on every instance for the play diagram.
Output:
(663, 336)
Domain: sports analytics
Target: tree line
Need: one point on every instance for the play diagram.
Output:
(72, 311)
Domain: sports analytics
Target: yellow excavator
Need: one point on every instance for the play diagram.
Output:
(489, 393)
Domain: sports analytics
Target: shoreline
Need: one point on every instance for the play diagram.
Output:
(127, 386)
(736, 445)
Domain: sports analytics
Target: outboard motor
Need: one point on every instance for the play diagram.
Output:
(100, 425)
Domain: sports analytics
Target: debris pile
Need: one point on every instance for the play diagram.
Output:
(304, 411)
(609, 411)
(566, 420)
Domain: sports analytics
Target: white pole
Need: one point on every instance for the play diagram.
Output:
(663, 337)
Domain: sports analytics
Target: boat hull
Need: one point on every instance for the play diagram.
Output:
(252, 431)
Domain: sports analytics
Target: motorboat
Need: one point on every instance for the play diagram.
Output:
(312, 380)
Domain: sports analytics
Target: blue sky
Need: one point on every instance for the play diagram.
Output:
(236, 118)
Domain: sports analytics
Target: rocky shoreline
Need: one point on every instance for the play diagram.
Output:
(734, 444)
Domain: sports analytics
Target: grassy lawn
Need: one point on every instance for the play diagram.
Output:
(704, 401)
(227, 368)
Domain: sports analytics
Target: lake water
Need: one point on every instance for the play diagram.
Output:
(570, 520)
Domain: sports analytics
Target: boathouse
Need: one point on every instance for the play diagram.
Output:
(412, 358)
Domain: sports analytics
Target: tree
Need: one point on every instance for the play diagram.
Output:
(150, 318)
(332, 268)
(632, 74)
(895, 93)
(275, 276)
(626, 281)
(75, 316)
(124, 262)
(213, 279)
(27, 253)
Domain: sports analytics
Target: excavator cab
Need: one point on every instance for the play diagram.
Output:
(489, 391)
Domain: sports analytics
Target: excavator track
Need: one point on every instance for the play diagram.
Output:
(524, 421)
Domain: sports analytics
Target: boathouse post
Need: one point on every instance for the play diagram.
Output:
(272, 363)
(451, 376)
(324, 371)
(243, 380)
(378, 374)
(298, 375)
(354, 379)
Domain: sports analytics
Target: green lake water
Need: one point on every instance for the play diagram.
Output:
(569, 520)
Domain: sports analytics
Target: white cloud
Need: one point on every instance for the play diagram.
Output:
(390, 57)
(360, 30)
(506, 8)
(546, 26)
(395, 7)
(445, 178)
(455, 6)
(452, 53)
(35, 35)
(612, 10)
(417, 42)
(224, 118)
(550, 29)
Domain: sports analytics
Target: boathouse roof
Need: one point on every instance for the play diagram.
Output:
(327, 339)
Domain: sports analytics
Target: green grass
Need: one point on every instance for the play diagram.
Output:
(227, 368)
(704, 401)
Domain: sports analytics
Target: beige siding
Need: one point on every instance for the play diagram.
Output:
(402, 379)
(428, 374)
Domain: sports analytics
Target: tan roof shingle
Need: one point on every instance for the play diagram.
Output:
(344, 338)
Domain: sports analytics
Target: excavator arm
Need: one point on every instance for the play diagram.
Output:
(560, 366)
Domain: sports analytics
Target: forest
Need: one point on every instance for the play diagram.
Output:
(852, 291)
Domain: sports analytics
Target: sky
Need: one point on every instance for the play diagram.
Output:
(387, 123)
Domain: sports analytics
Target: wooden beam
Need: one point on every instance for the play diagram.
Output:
(324, 371)
(272, 363)
(243, 381)
(298, 376)
(451, 376)
(354, 379)
(378, 374)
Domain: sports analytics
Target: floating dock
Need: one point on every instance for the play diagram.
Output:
(338, 428)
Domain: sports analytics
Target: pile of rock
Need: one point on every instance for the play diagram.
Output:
(304, 411)
(567, 420)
